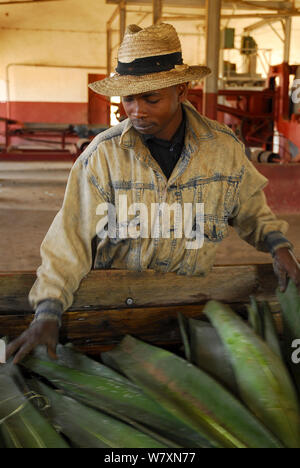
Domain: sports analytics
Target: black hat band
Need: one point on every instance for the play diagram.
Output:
(148, 65)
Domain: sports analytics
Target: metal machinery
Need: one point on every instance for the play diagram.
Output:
(266, 119)
(260, 111)
(25, 141)
(44, 142)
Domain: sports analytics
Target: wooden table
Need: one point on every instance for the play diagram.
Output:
(112, 303)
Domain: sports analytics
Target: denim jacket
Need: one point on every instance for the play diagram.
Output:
(213, 170)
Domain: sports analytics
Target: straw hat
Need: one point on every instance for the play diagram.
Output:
(148, 59)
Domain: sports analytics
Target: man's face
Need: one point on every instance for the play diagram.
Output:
(157, 112)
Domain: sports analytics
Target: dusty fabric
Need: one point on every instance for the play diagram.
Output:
(213, 169)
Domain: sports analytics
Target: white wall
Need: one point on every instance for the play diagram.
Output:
(46, 84)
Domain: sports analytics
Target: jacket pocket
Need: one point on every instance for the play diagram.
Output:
(215, 231)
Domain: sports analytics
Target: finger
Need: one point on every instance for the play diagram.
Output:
(281, 275)
(25, 349)
(283, 281)
(294, 258)
(52, 346)
(52, 351)
(14, 345)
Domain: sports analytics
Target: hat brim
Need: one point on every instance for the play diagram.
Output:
(127, 85)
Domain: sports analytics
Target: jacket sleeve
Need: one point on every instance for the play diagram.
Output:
(252, 218)
(66, 251)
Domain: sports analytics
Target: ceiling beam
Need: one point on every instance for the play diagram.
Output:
(24, 2)
(226, 4)
(264, 16)
(262, 5)
(260, 24)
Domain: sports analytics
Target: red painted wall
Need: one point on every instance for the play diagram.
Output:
(46, 112)
(283, 189)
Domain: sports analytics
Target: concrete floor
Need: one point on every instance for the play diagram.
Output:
(32, 193)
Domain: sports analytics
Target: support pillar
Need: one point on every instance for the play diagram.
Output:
(157, 11)
(213, 25)
(122, 19)
(108, 50)
(287, 39)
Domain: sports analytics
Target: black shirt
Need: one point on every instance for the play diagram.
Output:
(167, 153)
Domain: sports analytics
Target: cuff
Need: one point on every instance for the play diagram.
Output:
(275, 240)
(49, 309)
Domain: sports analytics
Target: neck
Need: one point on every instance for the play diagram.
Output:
(168, 132)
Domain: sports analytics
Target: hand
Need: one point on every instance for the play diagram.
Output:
(286, 266)
(41, 332)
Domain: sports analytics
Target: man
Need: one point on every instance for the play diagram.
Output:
(164, 153)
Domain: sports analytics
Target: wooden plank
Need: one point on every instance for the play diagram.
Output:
(99, 330)
(116, 289)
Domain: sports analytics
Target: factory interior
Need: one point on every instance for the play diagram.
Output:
(50, 51)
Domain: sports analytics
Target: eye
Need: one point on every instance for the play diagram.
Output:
(152, 101)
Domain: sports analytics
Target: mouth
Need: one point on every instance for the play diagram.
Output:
(142, 127)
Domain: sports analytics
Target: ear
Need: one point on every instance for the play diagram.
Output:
(182, 90)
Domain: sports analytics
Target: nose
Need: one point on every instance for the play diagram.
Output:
(138, 109)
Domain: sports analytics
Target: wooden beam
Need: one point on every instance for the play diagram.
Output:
(265, 16)
(227, 4)
(110, 304)
(97, 331)
(157, 11)
(260, 24)
(24, 2)
(287, 40)
(113, 16)
(265, 5)
(276, 32)
(213, 28)
(108, 50)
(118, 289)
(122, 20)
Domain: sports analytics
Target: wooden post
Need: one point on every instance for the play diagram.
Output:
(108, 50)
(157, 11)
(122, 19)
(287, 39)
(109, 39)
(213, 23)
